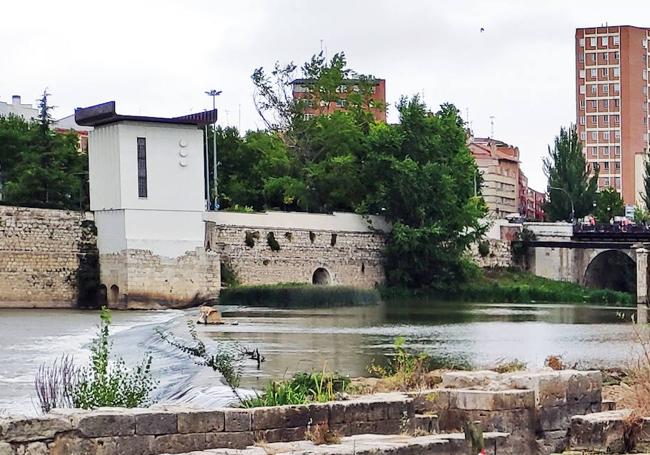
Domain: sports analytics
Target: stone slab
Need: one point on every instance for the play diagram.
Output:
(23, 429)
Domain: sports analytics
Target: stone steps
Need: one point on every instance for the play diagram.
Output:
(367, 444)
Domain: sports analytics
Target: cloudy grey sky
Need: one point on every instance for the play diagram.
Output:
(158, 58)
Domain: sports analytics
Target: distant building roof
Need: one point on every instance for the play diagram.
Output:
(303, 81)
(103, 114)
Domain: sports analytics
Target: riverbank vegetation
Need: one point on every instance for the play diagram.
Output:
(103, 382)
(298, 295)
(514, 286)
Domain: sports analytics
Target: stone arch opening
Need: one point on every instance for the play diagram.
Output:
(114, 295)
(102, 295)
(611, 269)
(321, 277)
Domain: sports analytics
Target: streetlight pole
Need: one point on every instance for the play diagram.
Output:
(570, 199)
(214, 93)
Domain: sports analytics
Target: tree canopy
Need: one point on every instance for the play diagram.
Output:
(38, 166)
(566, 169)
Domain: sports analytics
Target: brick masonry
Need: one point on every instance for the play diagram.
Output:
(48, 258)
(350, 258)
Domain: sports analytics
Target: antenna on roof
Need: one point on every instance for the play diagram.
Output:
(492, 117)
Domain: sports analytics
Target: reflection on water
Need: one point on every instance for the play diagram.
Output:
(341, 339)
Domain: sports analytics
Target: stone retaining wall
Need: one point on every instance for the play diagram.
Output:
(499, 254)
(349, 258)
(48, 258)
(530, 412)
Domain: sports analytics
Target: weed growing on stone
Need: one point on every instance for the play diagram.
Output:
(55, 384)
(404, 371)
(321, 434)
(509, 366)
(300, 389)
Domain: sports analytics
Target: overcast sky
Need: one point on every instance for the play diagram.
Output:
(158, 58)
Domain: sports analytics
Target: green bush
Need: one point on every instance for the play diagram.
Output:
(300, 389)
(294, 295)
(483, 248)
(106, 383)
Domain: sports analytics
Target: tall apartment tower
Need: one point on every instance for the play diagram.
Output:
(612, 104)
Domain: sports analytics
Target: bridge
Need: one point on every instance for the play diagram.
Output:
(602, 256)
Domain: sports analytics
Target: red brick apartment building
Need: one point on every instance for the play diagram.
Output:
(301, 90)
(612, 104)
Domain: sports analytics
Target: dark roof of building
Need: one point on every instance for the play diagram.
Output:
(374, 80)
(103, 114)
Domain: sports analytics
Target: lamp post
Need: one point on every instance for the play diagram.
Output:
(567, 195)
(214, 93)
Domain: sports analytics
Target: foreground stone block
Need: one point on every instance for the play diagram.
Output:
(279, 417)
(602, 431)
(280, 434)
(228, 440)
(201, 421)
(237, 420)
(491, 400)
(105, 422)
(468, 379)
(23, 429)
(179, 443)
(156, 423)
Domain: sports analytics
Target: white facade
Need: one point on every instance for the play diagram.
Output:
(16, 107)
(168, 221)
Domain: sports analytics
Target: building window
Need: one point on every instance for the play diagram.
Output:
(592, 57)
(594, 151)
(593, 41)
(617, 135)
(582, 120)
(581, 58)
(617, 165)
(616, 56)
(617, 102)
(603, 40)
(617, 72)
(605, 152)
(617, 40)
(583, 136)
(605, 88)
(606, 56)
(594, 89)
(582, 105)
(618, 182)
(594, 119)
(616, 119)
(617, 88)
(594, 136)
(617, 150)
(593, 73)
(605, 72)
(142, 167)
(606, 165)
(606, 104)
(594, 105)
(605, 118)
(582, 42)
(606, 135)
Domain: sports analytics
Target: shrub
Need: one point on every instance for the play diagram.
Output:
(404, 371)
(55, 384)
(272, 242)
(112, 384)
(250, 237)
(229, 275)
(227, 362)
(300, 389)
(484, 248)
(509, 366)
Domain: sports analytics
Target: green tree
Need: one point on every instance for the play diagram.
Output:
(421, 175)
(566, 168)
(608, 205)
(41, 168)
(646, 184)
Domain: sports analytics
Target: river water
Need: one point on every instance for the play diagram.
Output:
(342, 339)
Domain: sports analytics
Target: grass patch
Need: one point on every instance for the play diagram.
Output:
(302, 388)
(513, 286)
(295, 295)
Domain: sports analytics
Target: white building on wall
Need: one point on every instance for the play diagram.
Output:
(147, 191)
(16, 107)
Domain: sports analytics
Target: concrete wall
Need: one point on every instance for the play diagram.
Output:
(346, 245)
(46, 257)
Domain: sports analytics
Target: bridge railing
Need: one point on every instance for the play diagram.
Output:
(611, 228)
